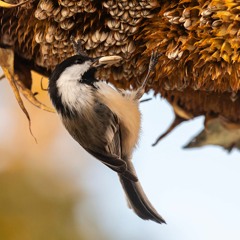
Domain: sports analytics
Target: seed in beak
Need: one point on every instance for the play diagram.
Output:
(109, 60)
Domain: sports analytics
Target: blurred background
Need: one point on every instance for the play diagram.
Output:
(53, 189)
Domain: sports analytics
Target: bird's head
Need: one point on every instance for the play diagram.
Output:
(70, 75)
(81, 68)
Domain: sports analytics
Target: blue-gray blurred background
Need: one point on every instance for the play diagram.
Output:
(55, 190)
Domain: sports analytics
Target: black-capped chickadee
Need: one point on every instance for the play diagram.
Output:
(105, 121)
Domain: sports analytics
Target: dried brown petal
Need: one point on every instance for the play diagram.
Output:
(46, 5)
(99, 37)
(8, 69)
(110, 4)
(40, 14)
(4, 4)
(113, 24)
(67, 24)
(39, 36)
(30, 96)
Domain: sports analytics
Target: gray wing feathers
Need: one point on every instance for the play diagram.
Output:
(104, 137)
(136, 197)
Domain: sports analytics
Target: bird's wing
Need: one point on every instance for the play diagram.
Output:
(110, 151)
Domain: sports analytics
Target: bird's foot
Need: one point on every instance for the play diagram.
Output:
(154, 59)
(78, 46)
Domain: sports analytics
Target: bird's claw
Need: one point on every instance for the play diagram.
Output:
(77, 46)
(154, 59)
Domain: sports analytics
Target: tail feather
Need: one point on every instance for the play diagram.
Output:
(138, 200)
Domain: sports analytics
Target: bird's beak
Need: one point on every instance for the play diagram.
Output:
(106, 60)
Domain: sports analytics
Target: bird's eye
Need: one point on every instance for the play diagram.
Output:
(78, 61)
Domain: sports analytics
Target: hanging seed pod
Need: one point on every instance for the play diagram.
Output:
(67, 24)
(39, 36)
(110, 4)
(113, 24)
(46, 5)
(40, 14)
(65, 12)
(124, 16)
(110, 40)
(128, 49)
(99, 37)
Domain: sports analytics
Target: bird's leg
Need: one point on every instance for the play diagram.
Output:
(77, 46)
(153, 61)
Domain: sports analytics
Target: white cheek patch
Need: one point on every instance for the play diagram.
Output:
(74, 94)
(73, 73)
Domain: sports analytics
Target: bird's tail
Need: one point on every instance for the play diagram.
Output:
(138, 200)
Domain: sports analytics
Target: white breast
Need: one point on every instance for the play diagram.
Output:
(126, 108)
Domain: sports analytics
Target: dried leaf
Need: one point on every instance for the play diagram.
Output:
(18, 97)
(30, 96)
(217, 132)
(23, 78)
(11, 5)
(6, 62)
(177, 121)
(182, 113)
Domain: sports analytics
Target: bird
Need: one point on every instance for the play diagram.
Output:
(105, 121)
(199, 71)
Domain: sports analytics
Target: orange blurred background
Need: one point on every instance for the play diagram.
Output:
(39, 182)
